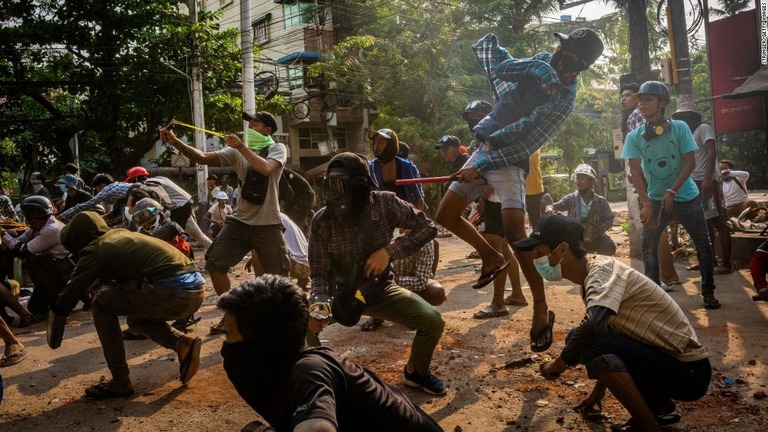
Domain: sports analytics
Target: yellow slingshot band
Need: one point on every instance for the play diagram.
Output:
(218, 134)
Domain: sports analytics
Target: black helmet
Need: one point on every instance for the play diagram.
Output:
(36, 206)
(477, 106)
(654, 88)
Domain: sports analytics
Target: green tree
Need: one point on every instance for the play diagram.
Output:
(109, 69)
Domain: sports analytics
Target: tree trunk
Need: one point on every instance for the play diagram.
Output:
(640, 61)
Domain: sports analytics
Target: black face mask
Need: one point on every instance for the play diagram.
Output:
(347, 197)
(565, 63)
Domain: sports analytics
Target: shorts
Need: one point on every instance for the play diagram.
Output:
(237, 238)
(492, 218)
(507, 182)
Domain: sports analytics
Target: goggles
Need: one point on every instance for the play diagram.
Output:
(336, 186)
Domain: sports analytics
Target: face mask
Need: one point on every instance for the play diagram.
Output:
(127, 214)
(549, 273)
(37, 185)
(63, 188)
(338, 196)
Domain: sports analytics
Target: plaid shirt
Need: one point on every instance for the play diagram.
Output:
(634, 120)
(339, 241)
(111, 193)
(413, 272)
(523, 137)
(6, 208)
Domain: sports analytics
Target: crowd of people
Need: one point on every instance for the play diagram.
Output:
(370, 249)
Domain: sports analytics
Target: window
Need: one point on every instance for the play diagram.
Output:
(304, 13)
(310, 136)
(295, 78)
(223, 3)
(261, 29)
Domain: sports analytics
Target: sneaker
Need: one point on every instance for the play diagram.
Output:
(428, 384)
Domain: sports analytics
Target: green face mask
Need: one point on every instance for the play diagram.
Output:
(256, 141)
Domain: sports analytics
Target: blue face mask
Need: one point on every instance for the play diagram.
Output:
(548, 272)
(62, 188)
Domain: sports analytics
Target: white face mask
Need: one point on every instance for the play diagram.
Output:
(127, 214)
(548, 272)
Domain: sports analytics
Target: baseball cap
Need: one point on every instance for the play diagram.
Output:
(446, 141)
(553, 229)
(583, 42)
(68, 180)
(264, 117)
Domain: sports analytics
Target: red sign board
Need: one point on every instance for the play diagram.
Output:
(734, 57)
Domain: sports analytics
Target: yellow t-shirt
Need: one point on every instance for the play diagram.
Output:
(534, 183)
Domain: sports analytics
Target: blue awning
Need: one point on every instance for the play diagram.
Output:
(299, 55)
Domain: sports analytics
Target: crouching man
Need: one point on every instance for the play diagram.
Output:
(296, 388)
(350, 250)
(152, 284)
(634, 339)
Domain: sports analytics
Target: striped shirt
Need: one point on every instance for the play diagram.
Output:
(643, 311)
(516, 142)
(338, 244)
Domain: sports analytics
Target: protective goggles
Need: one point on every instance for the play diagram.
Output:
(336, 186)
(444, 139)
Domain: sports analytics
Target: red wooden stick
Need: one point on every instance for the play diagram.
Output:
(422, 180)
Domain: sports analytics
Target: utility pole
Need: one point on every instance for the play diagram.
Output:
(198, 116)
(678, 41)
(640, 65)
(246, 43)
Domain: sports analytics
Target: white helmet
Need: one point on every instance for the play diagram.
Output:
(585, 169)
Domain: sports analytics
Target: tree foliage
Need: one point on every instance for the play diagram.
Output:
(116, 70)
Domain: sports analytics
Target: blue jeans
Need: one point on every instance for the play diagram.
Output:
(691, 216)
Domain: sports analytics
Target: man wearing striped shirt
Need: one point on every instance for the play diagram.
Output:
(634, 339)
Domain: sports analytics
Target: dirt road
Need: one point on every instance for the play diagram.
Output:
(44, 393)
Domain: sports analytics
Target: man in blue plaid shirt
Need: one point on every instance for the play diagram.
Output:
(533, 97)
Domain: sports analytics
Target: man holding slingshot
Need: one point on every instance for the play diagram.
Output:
(255, 222)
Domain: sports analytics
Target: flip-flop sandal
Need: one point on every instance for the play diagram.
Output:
(546, 333)
(191, 362)
(486, 278)
(663, 420)
(372, 324)
(509, 302)
(722, 270)
(692, 267)
(218, 328)
(489, 312)
(13, 358)
(101, 391)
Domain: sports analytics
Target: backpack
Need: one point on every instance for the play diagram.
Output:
(156, 192)
(254, 187)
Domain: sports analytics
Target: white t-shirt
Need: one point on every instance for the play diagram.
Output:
(219, 214)
(244, 211)
(644, 312)
(732, 192)
(702, 134)
(295, 241)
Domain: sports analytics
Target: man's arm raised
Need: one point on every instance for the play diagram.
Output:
(195, 155)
